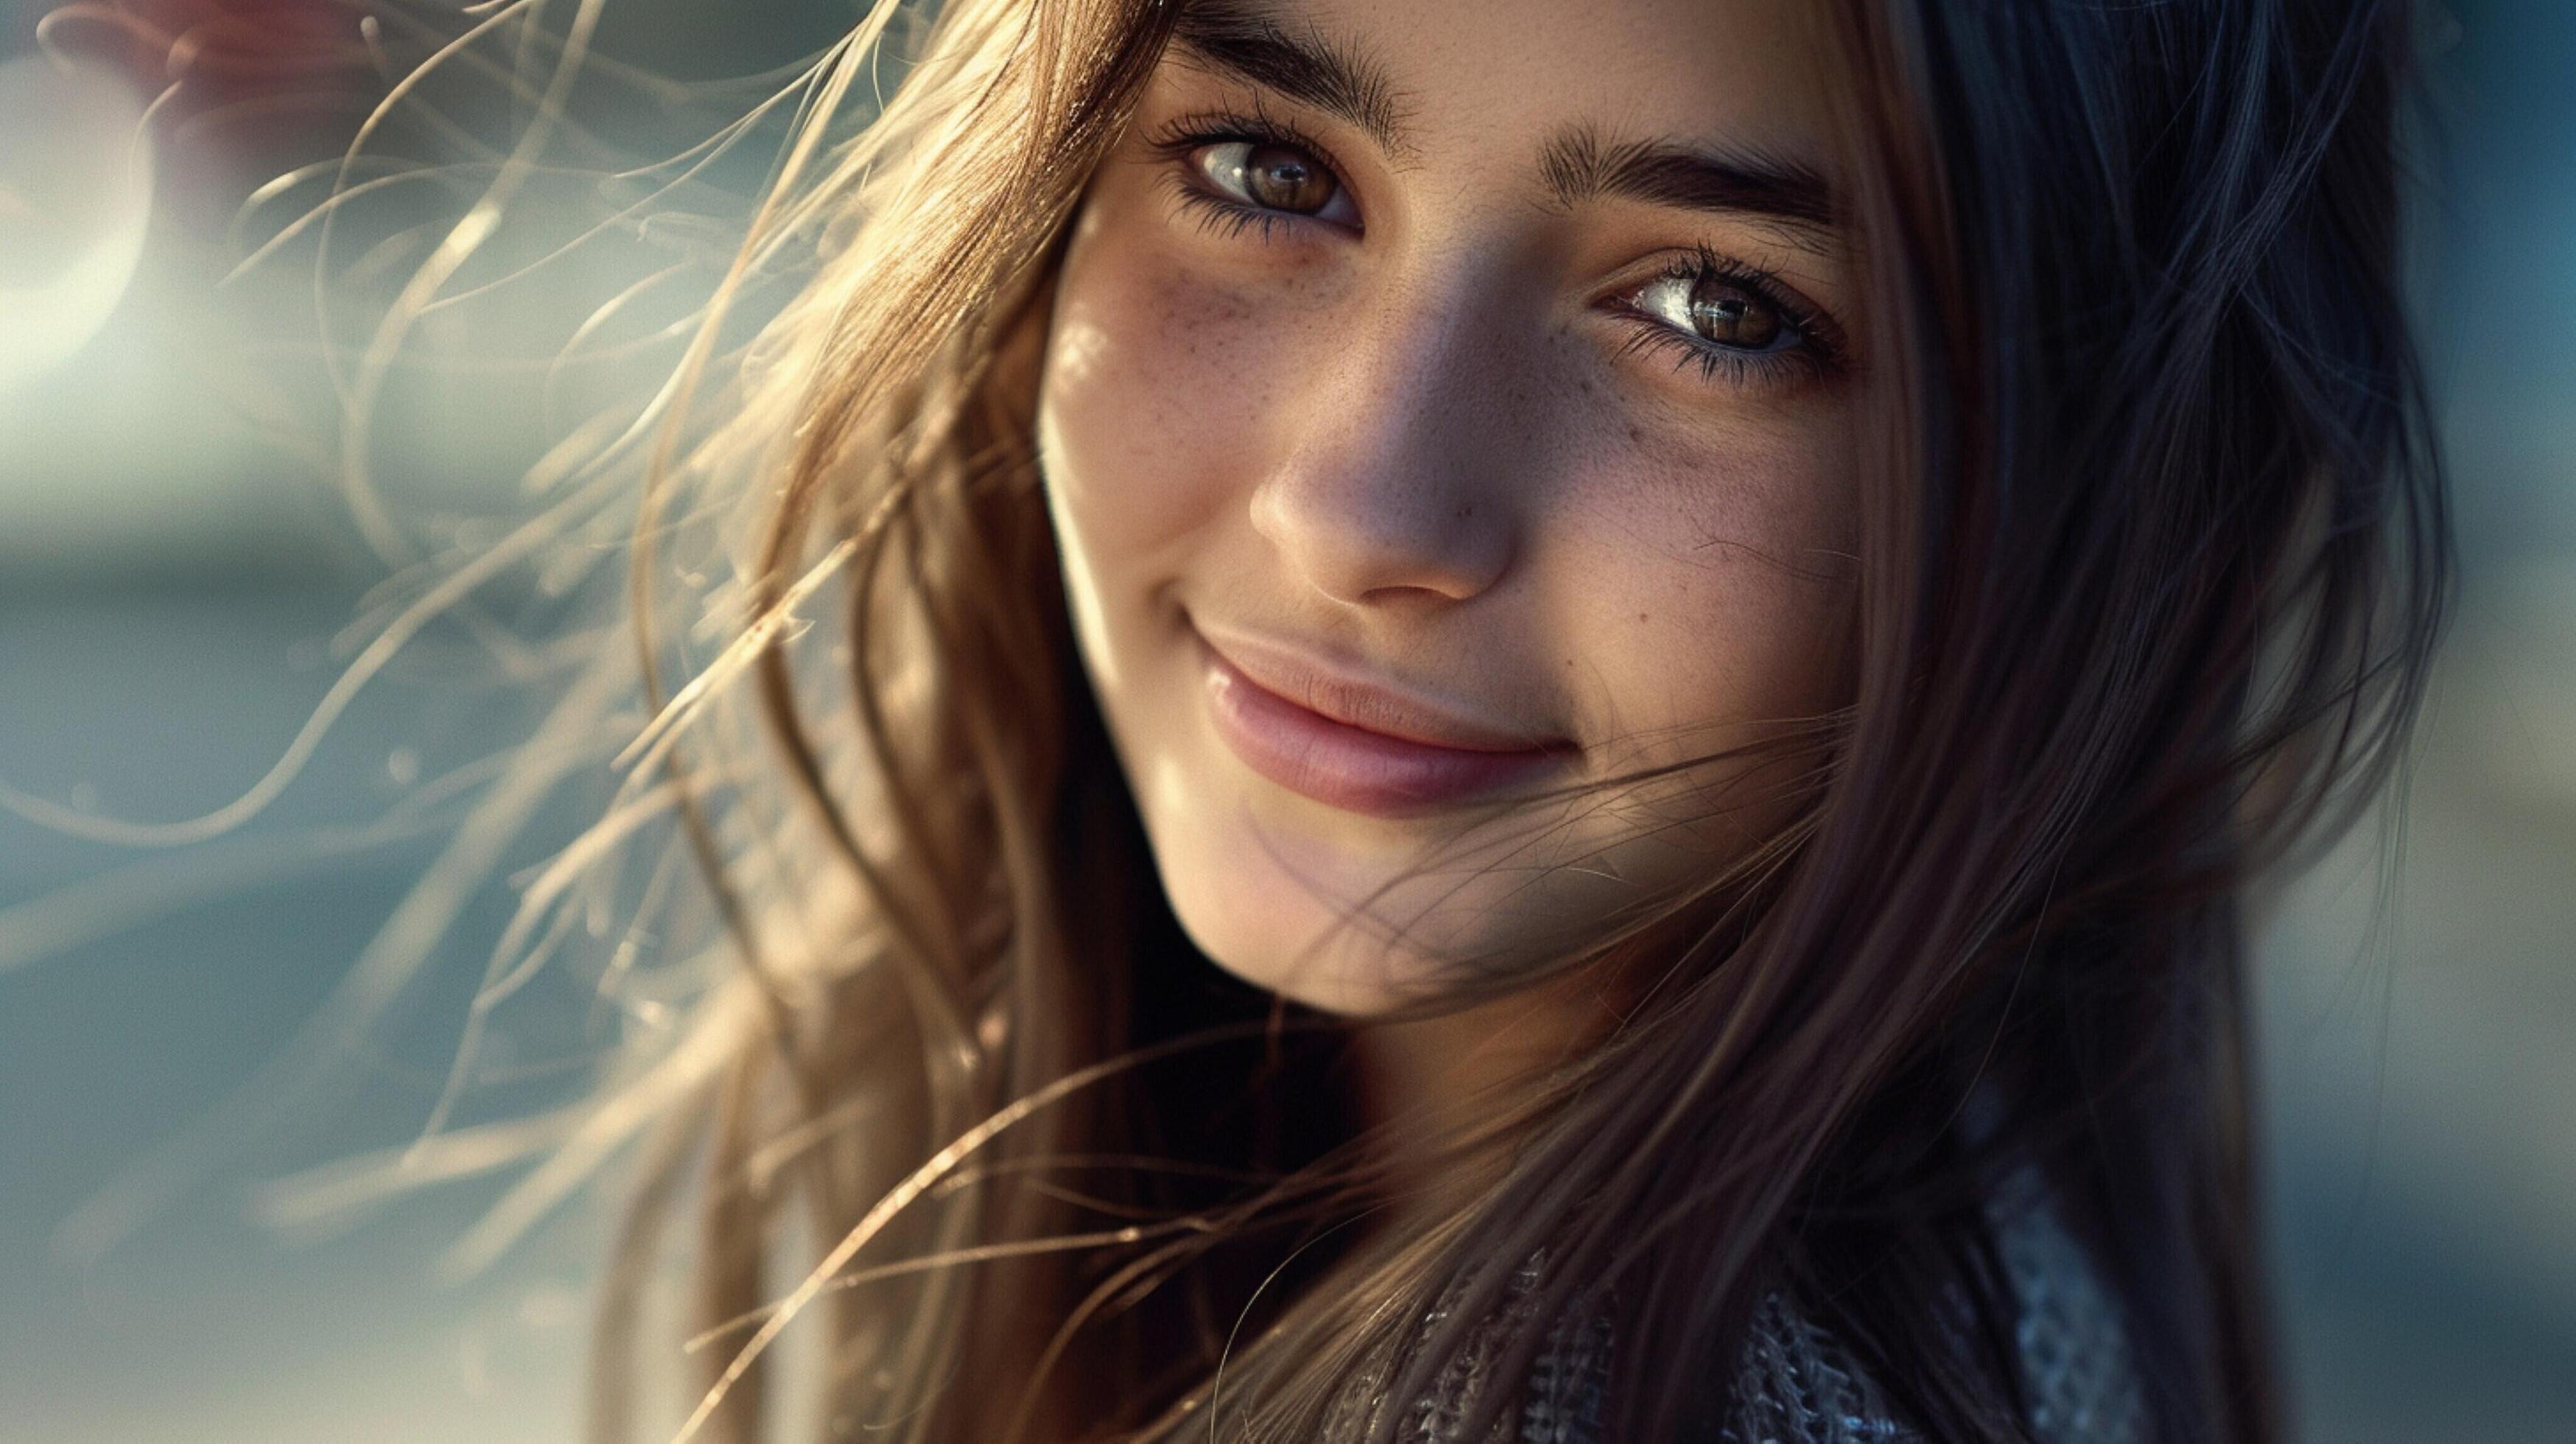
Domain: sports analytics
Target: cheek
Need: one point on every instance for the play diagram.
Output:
(1151, 385)
(1716, 576)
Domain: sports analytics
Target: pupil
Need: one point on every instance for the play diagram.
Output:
(1285, 180)
(1730, 317)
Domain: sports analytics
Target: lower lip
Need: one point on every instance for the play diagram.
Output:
(1351, 767)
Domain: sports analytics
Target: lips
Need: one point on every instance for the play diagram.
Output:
(1355, 744)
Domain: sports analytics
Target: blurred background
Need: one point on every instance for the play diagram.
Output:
(183, 582)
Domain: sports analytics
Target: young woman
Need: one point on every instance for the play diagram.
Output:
(1510, 721)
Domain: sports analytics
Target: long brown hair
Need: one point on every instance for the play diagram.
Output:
(2153, 559)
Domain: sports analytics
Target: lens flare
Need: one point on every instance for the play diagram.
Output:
(75, 203)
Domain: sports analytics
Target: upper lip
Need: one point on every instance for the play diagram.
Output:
(1343, 693)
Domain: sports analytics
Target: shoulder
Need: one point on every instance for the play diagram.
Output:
(1796, 1383)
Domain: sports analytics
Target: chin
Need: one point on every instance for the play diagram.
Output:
(1254, 918)
(1339, 931)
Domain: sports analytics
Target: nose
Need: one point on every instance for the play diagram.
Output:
(1389, 483)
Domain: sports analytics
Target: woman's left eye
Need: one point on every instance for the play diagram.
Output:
(1718, 311)
(1718, 316)
(1274, 178)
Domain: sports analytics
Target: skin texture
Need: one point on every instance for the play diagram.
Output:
(1426, 436)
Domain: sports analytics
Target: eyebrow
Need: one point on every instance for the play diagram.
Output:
(1579, 166)
(1243, 38)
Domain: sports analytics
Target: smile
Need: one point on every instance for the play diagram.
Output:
(1354, 744)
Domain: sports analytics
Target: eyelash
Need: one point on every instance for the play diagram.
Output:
(1179, 137)
(1818, 351)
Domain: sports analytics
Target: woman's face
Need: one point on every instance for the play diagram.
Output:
(1447, 405)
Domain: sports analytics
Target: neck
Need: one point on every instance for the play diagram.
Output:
(1430, 1080)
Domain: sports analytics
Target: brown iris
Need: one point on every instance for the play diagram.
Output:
(1283, 178)
(1732, 316)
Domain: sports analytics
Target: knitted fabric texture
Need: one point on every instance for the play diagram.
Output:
(1797, 1384)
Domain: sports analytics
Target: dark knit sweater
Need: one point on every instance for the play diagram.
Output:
(1796, 1384)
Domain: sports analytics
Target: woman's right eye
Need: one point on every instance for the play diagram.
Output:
(1278, 179)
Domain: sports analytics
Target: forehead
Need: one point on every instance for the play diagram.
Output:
(1740, 72)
